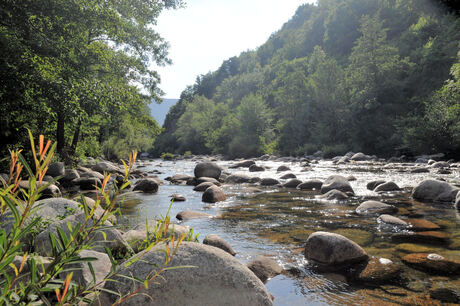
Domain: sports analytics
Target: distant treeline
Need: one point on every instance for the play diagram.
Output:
(378, 76)
(73, 70)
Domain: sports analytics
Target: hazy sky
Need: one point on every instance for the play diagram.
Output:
(206, 32)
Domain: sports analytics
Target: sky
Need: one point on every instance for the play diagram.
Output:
(206, 32)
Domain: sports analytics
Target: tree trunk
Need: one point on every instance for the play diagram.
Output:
(75, 138)
(60, 137)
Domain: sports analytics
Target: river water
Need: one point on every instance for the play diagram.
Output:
(277, 222)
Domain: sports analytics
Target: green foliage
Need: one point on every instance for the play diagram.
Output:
(23, 277)
(340, 75)
(167, 156)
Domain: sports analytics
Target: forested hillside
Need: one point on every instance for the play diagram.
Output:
(378, 76)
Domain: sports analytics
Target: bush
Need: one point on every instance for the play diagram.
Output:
(29, 282)
(167, 156)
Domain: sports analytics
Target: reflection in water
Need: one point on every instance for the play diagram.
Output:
(278, 221)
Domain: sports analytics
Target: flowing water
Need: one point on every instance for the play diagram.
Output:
(277, 223)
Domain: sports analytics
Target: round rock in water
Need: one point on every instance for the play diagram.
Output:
(310, 185)
(373, 184)
(292, 183)
(388, 219)
(388, 186)
(207, 169)
(213, 194)
(190, 214)
(265, 268)
(329, 249)
(269, 182)
(256, 168)
(216, 241)
(146, 185)
(203, 186)
(433, 190)
(216, 278)
(337, 182)
(334, 194)
(375, 207)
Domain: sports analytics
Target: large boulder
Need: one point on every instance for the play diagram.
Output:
(51, 191)
(434, 191)
(373, 184)
(207, 169)
(214, 278)
(146, 185)
(203, 186)
(213, 194)
(111, 237)
(264, 268)
(243, 164)
(329, 249)
(334, 195)
(56, 169)
(87, 183)
(218, 242)
(292, 183)
(82, 274)
(337, 182)
(256, 168)
(106, 166)
(375, 207)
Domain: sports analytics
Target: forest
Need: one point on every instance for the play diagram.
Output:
(80, 73)
(377, 76)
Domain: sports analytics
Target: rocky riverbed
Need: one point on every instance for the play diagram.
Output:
(353, 230)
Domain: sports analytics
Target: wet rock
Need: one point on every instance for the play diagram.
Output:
(444, 171)
(373, 184)
(213, 194)
(379, 271)
(70, 175)
(351, 178)
(189, 214)
(269, 182)
(433, 190)
(203, 186)
(87, 183)
(420, 170)
(207, 179)
(252, 190)
(56, 169)
(430, 237)
(310, 185)
(414, 248)
(422, 225)
(218, 242)
(255, 180)
(256, 168)
(207, 169)
(457, 201)
(331, 249)
(178, 197)
(336, 182)
(432, 263)
(264, 268)
(179, 178)
(146, 185)
(292, 183)
(283, 168)
(243, 164)
(388, 219)
(288, 176)
(334, 194)
(217, 278)
(375, 207)
(238, 178)
(388, 186)
(446, 293)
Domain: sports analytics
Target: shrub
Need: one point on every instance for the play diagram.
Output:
(167, 156)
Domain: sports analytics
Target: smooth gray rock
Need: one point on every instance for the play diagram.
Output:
(337, 182)
(243, 164)
(238, 178)
(146, 185)
(207, 179)
(70, 174)
(256, 168)
(375, 207)
(218, 242)
(334, 194)
(361, 157)
(388, 219)
(113, 238)
(310, 185)
(52, 191)
(56, 169)
(331, 249)
(87, 183)
(216, 279)
(207, 169)
(189, 214)
(213, 194)
(106, 166)
(292, 183)
(265, 268)
(283, 168)
(434, 191)
(288, 176)
(373, 184)
(203, 186)
(82, 274)
(269, 182)
(440, 164)
(388, 186)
